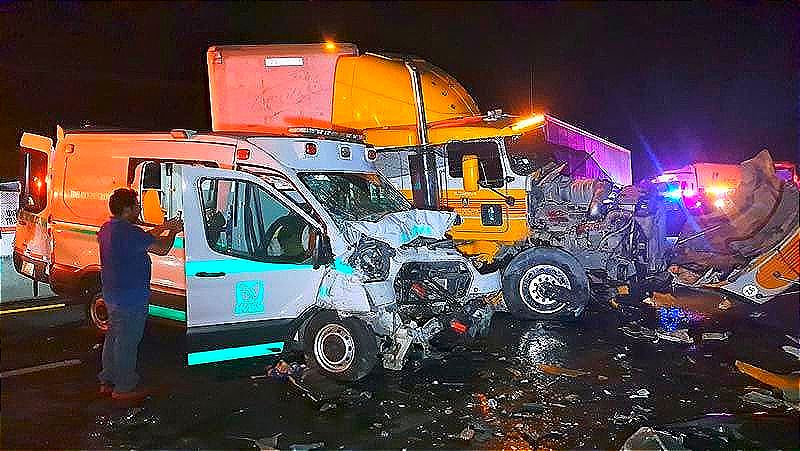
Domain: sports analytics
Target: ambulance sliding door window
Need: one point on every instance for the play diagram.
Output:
(243, 220)
(33, 195)
(489, 165)
(157, 181)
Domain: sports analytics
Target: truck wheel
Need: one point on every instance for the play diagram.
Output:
(545, 283)
(97, 313)
(342, 348)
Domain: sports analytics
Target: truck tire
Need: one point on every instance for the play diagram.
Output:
(532, 276)
(344, 349)
(97, 313)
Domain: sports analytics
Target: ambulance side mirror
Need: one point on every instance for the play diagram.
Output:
(322, 254)
(469, 169)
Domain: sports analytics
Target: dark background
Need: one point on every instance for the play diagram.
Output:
(674, 83)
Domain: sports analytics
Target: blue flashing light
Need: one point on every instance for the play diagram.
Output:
(674, 194)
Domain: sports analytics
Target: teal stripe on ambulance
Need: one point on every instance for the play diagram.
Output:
(235, 266)
(241, 352)
(166, 312)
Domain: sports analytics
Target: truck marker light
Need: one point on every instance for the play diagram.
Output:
(525, 123)
(241, 352)
(329, 45)
(311, 149)
(242, 154)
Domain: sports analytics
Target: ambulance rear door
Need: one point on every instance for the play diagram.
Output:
(32, 241)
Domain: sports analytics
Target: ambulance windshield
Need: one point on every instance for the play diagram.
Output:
(355, 196)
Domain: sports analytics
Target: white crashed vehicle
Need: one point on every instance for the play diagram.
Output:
(366, 278)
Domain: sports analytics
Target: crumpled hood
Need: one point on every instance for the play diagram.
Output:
(398, 229)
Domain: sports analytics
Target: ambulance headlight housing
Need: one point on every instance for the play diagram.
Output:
(372, 259)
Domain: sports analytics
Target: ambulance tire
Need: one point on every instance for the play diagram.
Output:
(344, 349)
(532, 271)
(97, 313)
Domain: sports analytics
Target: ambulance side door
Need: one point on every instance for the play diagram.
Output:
(249, 271)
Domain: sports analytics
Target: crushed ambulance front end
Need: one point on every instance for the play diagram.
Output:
(392, 267)
(408, 281)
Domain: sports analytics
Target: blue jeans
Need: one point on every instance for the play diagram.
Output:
(121, 346)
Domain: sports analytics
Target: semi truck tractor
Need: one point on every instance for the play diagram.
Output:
(547, 203)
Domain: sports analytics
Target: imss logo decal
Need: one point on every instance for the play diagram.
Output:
(249, 297)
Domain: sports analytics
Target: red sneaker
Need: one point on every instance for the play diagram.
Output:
(133, 395)
(106, 389)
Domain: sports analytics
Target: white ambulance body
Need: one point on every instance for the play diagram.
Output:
(288, 239)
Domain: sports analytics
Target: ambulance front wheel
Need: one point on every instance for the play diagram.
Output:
(97, 313)
(344, 349)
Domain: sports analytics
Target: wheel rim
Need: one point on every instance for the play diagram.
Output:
(99, 314)
(534, 284)
(334, 348)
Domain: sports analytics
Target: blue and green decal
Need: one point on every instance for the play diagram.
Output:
(249, 297)
(241, 352)
(166, 312)
(236, 266)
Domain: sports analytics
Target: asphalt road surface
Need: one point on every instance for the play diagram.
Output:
(492, 387)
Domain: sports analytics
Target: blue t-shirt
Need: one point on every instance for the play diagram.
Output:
(125, 263)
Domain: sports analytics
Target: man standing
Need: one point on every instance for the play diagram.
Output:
(125, 275)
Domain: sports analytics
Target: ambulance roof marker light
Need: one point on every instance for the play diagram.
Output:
(243, 154)
(311, 149)
(182, 133)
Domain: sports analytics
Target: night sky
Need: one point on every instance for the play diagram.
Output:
(675, 83)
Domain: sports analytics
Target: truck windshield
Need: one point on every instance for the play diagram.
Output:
(529, 152)
(532, 150)
(354, 197)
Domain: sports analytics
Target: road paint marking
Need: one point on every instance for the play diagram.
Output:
(30, 309)
(34, 369)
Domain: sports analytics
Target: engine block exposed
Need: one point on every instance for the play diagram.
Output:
(617, 235)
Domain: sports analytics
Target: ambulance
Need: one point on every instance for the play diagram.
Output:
(292, 239)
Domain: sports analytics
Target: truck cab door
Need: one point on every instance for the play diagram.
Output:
(33, 243)
(249, 272)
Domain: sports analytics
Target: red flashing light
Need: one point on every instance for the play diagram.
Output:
(242, 154)
(311, 149)
(458, 326)
(419, 290)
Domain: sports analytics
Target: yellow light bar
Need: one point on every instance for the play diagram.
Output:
(529, 122)
(30, 309)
